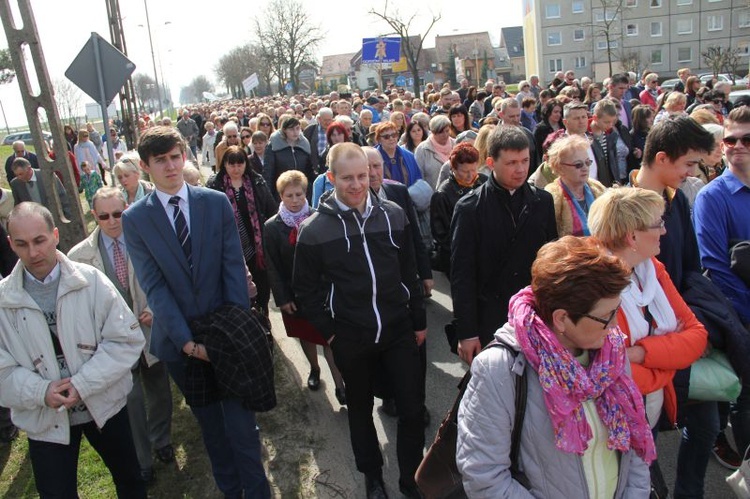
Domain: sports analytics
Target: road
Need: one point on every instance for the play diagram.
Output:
(333, 455)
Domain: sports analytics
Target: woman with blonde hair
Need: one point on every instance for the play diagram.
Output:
(573, 192)
(128, 174)
(674, 105)
(483, 146)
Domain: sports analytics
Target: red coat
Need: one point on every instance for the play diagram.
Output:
(667, 353)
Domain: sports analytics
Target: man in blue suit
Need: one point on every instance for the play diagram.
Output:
(186, 252)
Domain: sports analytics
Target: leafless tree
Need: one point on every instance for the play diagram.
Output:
(609, 28)
(287, 40)
(145, 88)
(68, 98)
(631, 61)
(411, 45)
(194, 91)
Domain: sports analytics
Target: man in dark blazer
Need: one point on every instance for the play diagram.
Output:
(28, 186)
(186, 277)
(316, 133)
(19, 151)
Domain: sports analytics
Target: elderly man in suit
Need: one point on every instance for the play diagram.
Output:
(105, 249)
(19, 151)
(315, 133)
(186, 252)
(28, 186)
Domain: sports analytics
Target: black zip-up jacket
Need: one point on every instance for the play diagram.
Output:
(492, 251)
(357, 276)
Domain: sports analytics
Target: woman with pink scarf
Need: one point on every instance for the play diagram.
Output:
(584, 432)
(433, 152)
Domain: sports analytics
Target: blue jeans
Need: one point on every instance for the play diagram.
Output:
(232, 441)
(56, 465)
(698, 437)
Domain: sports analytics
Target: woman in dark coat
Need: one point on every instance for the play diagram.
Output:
(287, 149)
(253, 204)
(279, 241)
(552, 121)
(464, 160)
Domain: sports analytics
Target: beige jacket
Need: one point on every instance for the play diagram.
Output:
(87, 251)
(6, 205)
(99, 336)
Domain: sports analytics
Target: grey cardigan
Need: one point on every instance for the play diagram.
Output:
(485, 421)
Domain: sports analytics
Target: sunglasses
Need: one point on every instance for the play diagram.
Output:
(105, 216)
(246, 136)
(604, 322)
(718, 101)
(659, 225)
(387, 136)
(732, 141)
(579, 164)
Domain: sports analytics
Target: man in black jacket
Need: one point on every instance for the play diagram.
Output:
(497, 230)
(315, 133)
(355, 279)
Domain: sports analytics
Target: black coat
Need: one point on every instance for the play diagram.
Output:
(279, 259)
(399, 194)
(280, 157)
(311, 134)
(264, 202)
(606, 166)
(492, 251)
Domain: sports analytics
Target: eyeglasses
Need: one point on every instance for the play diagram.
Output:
(659, 225)
(246, 136)
(718, 101)
(105, 216)
(264, 124)
(604, 322)
(579, 164)
(732, 141)
(387, 136)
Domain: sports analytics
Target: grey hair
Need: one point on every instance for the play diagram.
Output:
(129, 162)
(438, 123)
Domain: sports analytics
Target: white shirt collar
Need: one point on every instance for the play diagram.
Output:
(164, 197)
(109, 242)
(368, 205)
(54, 273)
(33, 176)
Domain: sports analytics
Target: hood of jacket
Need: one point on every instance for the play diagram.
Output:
(278, 142)
(506, 335)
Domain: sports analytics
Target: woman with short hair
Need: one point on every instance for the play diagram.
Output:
(128, 173)
(433, 152)
(584, 429)
(398, 163)
(287, 149)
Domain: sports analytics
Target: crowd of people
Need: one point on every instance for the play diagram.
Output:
(574, 222)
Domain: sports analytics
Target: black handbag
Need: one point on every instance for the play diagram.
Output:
(437, 475)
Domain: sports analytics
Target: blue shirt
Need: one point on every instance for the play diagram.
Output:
(722, 213)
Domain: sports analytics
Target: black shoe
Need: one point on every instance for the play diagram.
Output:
(389, 407)
(313, 381)
(148, 476)
(410, 490)
(341, 395)
(375, 488)
(165, 454)
(8, 434)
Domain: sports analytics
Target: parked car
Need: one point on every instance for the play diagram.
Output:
(26, 137)
(668, 85)
(728, 77)
(733, 96)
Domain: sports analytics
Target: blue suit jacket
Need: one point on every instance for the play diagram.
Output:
(175, 293)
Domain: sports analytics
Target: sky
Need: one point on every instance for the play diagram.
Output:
(191, 35)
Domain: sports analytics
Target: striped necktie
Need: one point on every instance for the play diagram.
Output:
(181, 229)
(121, 265)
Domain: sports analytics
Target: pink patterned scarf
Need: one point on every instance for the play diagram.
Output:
(247, 185)
(566, 385)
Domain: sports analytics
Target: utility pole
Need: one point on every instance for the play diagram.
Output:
(153, 58)
(22, 41)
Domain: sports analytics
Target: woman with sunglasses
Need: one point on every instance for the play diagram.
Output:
(584, 431)
(128, 174)
(265, 124)
(663, 335)
(573, 191)
(398, 163)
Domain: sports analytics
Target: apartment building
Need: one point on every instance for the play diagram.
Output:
(662, 35)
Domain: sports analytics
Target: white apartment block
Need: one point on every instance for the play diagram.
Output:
(661, 35)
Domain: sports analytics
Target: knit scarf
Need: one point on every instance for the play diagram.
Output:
(443, 151)
(578, 214)
(567, 384)
(395, 168)
(247, 186)
(466, 185)
(293, 220)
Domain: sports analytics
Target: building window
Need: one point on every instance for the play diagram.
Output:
(713, 1)
(552, 11)
(580, 62)
(555, 65)
(684, 2)
(602, 44)
(715, 23)
(654, 3)
(744, 18)
(578, 35)
(656, 56)
(656, 28)
(631, 3)
(631, 29)
(684, 26)
(577, 7)
(601, 15)
(554, 38)
(744, 49)
(684, 54)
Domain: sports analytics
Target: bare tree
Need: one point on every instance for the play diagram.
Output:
(722, 59)
(194, 91)
(68, 99)
(235, 66)
(145, 88)
(410, 44)
(631, 61)
(609, 27)
(287, 39)
(732, 62)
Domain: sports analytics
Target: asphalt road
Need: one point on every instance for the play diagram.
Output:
(335, 461)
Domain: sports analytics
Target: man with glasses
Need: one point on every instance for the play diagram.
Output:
(19, 151)
(105, 249)
(722, 215)
(231, 138)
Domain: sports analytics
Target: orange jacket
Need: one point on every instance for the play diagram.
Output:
(667, 353)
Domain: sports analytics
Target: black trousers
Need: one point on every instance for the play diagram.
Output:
(359, 363)
(56, 466)
(260, 278)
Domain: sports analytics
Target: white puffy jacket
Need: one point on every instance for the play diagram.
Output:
(99, 336)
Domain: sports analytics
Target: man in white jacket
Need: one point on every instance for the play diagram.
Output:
(67, 343)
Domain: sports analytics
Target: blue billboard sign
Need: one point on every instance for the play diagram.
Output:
(384, 49)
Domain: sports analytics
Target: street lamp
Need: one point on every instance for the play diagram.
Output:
(153, 59)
